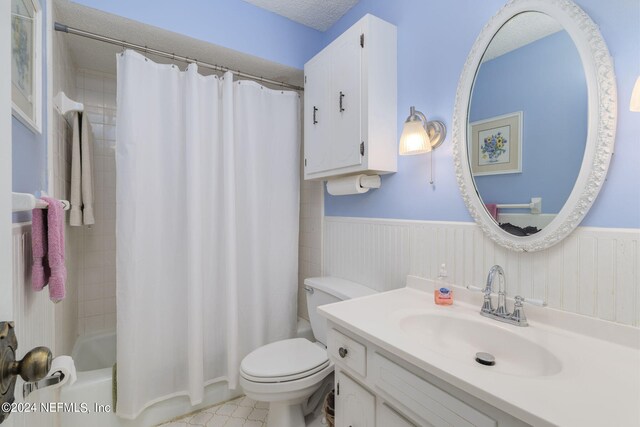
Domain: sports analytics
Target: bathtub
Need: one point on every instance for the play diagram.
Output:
(94, 356)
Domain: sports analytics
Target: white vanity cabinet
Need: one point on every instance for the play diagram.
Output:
(374, 388)
(355, 405)
(350, 105)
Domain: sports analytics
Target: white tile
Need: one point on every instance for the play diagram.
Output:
(98, 130)
(93, 83)
(94, 259)
(94, 324)
(93, 98)
(110, 132)
(246, 401)
(258, 414)
(251, 423)
(110, 116)
(218, 421)
(93, 276)
(201, 418)
(235, 422)
(110, 321)
(241, 412)
(110, 289)
(109, 305)
(226, 409)
(93, 308)
(93, 292)
(110, 85)
(110, 100)
(80, 81)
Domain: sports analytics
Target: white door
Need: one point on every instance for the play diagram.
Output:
(355, 406)
(6, 288)
(6, 295)
(316, 115)
(346, 103)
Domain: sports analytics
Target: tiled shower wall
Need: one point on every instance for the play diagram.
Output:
(97, 290)
(66, 311)
(310, 247)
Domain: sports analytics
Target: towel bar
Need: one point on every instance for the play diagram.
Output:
(25, 202)
(535, 205)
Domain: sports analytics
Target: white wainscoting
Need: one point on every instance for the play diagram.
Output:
(595, 271)
(34, 317)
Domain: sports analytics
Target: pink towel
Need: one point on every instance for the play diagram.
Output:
(40, 269)
(492, 208)
(47, 243)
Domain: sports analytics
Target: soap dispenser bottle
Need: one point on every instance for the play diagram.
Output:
(442, 294)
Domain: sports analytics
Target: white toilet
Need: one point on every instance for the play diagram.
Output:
(286, 373)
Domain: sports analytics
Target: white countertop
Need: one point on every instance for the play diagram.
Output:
(598, 385)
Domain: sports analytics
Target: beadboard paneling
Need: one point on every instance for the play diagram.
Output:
(34, 318)
(595, 271)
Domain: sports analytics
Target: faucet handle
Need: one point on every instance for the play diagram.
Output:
(519, 300)
(487, 305)
(477, 289)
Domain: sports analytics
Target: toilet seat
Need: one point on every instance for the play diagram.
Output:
(282, 361)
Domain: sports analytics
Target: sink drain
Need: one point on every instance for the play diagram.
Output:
(486, 359)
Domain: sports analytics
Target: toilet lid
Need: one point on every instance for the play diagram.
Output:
(284, 360)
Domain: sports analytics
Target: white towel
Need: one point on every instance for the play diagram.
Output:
(81, 173)
(87, 171)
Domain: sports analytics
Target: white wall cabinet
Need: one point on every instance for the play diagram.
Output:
(376, 389)
(350, 117)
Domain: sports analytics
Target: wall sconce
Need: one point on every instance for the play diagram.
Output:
(634, 105)
(421, 136)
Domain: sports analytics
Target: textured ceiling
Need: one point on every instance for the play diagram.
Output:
(318, 14)
(521, 30)
(98, 56)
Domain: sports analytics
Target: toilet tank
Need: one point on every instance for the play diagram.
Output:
(327, 290)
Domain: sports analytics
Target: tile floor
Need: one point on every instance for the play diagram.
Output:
(240, 412)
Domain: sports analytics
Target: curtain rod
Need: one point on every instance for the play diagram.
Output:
(75, 31)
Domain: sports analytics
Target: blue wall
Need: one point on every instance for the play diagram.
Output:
(29, 162)
(434, 39)
(545, 81)
(234, 24)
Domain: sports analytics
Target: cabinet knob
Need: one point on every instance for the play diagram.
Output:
(343, 352)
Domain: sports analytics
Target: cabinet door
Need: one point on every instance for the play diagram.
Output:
(317, 126)
(345, 103)
(355, 406)
(387, 417)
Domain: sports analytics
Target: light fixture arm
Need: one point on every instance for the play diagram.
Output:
(436, 129)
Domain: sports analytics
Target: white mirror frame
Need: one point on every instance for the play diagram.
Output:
(601, 131)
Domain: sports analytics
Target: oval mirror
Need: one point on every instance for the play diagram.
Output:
(534, 123)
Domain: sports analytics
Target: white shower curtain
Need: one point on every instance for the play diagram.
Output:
(207, 227)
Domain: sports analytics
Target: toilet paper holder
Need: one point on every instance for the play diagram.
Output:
(30, 387)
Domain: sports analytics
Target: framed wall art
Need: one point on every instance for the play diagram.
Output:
(496, 145)
(26, 62)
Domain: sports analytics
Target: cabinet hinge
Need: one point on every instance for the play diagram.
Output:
(362, 40)
(362, 148)
(338, 389)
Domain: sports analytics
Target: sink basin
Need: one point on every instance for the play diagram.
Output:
(461, 338)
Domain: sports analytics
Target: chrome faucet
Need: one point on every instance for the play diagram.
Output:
(501, 313)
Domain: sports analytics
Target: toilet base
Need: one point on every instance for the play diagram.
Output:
(283, 414)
